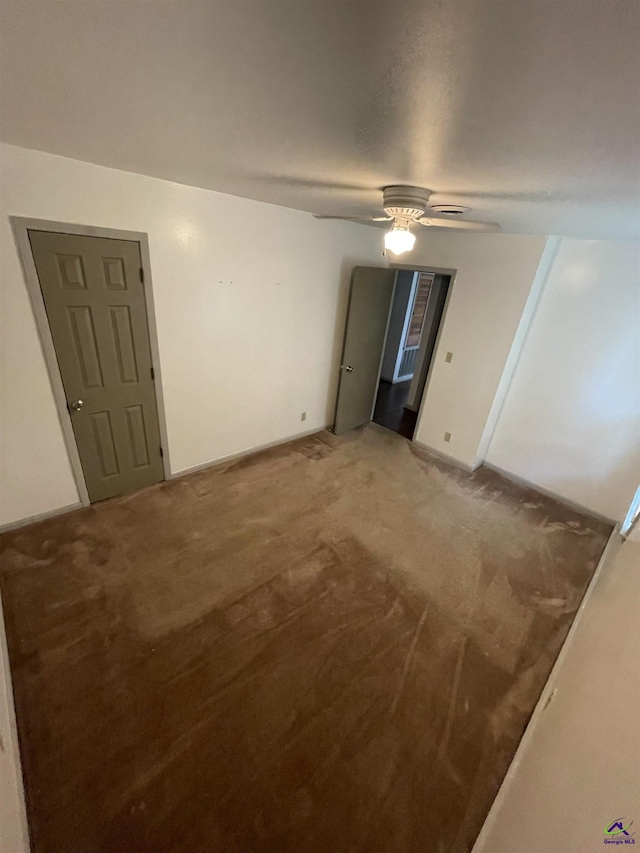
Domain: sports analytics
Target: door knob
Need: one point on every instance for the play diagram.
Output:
(346, 367)
(77, 405)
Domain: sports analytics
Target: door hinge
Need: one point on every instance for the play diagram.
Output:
(161, 452)
(141, 275)
(153, 373)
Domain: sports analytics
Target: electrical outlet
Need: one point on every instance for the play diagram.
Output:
(447, 436)
(449, 357)
(303, 416)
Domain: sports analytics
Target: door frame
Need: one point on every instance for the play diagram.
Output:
(452, 276)
(21, 226)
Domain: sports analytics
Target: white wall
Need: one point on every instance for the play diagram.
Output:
(250, 303)
(495, 274)
(571, 418)
(578, 767)
(13, 821)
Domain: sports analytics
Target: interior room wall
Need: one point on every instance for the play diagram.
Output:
(571, 417)
(397, 318)
(577, 769)
(494, 277)
(250, 303)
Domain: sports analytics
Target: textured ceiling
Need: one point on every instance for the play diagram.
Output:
(528, 111)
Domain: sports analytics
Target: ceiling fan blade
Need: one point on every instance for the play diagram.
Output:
(356, 218)
(459, 224)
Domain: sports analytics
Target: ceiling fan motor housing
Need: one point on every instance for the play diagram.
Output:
(405, 202)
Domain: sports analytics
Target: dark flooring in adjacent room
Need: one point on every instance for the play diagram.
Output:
(389, 410)
(333, 645)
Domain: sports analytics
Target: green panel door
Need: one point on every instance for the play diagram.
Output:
(367, 320)
(94, 297)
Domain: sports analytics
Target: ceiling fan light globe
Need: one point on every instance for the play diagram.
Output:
(399, 240)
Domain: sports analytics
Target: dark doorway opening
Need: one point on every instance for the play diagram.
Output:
(414, 321)
(390, 410)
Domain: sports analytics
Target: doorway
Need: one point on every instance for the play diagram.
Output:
(414, 320)
(393, 320)
(391, 410)
(91, 306)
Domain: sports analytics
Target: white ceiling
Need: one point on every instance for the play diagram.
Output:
(528, 111)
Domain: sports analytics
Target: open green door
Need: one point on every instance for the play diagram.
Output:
(366, 331)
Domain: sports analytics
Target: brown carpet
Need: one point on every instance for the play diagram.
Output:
(334, 645)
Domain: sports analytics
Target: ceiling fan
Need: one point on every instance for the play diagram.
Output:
(407, 206)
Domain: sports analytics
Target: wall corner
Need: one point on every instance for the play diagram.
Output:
(545, 264)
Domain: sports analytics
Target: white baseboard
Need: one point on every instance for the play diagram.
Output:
(522, 481)
(256, 449)
(546, 697)
(32, 519)
(469, 469)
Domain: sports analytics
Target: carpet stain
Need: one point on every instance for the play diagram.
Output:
(332, 645)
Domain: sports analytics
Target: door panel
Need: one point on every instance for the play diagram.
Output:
(105, 446)
(367, 319)
(83, 335)
(95, 303)
(137, 436)
(123, 342)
